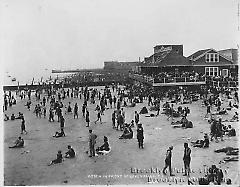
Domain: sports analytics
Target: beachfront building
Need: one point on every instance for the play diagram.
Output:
(166, 67)
(214, 63)
(166, 58)
(220, 67)
(231, 54)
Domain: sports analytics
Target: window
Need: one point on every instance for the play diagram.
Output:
(211, 71)
(212, 57)
(215, 71)
(207, 71)
(225, 72)
(207, 58)
(216, 57)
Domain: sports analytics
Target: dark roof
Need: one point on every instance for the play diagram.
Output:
(235, 56)
(234, 53)
(157, 57)
(170, 58)
(174, 59)
(198, 53)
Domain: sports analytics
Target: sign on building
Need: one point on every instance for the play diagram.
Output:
(163, 49)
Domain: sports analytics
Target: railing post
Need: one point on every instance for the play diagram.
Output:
(185, 79)
(164, 80)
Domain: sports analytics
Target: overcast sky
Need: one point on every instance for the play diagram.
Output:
(68, 34)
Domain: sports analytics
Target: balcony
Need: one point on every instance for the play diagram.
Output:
(170, 81)
(178, 81)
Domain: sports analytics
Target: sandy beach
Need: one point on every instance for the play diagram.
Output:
(28, 165)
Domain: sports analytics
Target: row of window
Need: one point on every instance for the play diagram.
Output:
(212, 57)
(213, 71)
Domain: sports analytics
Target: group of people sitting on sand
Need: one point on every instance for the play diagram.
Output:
(170, 112)
(213, 176)
(69, 154)
(202, 143)
(128, 133)
(218, 129)
(101, 150)
(184, 123)
(229, 130)
(13, 117)
(215, 132)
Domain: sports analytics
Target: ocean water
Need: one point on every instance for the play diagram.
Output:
(27, 77)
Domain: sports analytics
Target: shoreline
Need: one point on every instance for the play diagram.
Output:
(37, 86)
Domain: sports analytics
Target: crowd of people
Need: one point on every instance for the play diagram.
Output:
(170, 76)
(51, 103)
(90, 78)
(189, 76)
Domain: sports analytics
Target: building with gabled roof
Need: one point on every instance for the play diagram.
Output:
(213, 63)
(232, 54)
(165, 58)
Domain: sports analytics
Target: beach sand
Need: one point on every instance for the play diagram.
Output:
(28, 165)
